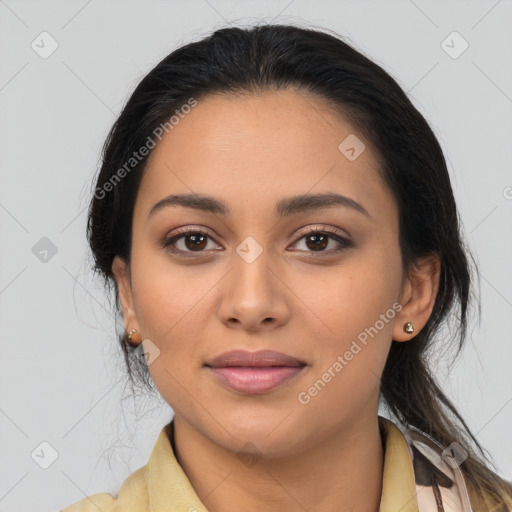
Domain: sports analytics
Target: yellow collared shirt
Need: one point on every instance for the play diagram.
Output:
(162, 486)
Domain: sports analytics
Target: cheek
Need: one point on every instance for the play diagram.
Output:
(355, 305)
(172, 305)
(350, 299)
(349, 361)
(163, 292)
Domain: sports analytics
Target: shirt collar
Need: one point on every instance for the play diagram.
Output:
(398, 484)
(170, 489)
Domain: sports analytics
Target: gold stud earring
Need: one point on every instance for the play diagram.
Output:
(408, 328)
(129, 336)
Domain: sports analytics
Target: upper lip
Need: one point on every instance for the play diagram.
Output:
(262, 358)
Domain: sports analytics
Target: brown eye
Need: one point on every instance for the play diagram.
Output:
(192, 240)
(197, 241)
(317, 240)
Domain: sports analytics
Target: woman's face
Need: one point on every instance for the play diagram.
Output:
(260, 280)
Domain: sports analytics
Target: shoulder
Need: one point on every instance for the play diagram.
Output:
(131, 496)
(434, 474)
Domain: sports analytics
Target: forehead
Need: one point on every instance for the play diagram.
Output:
(248, 148)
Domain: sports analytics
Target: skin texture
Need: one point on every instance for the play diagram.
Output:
(251, 151)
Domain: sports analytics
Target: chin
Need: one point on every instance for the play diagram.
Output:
(269, 434)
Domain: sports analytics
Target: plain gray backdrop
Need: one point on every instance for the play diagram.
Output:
(67, 69)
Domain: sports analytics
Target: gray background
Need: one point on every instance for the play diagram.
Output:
(62, 378)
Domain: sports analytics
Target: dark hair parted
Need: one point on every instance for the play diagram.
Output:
(270, 57)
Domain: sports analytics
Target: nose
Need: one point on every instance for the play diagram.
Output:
(254, 296)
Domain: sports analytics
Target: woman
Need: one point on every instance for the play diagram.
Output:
(279, 223)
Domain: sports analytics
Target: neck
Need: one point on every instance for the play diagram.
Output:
(340, 472)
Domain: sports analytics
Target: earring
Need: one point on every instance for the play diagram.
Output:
(408, 327)
(129, 336)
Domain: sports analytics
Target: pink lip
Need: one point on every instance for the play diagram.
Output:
(261, 358)
(254, 372)
(255, 380)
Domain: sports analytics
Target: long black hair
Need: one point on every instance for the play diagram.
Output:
(270, 57)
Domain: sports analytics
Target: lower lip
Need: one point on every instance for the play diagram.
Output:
(255, 380)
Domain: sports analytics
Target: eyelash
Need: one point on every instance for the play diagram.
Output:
(168, 242)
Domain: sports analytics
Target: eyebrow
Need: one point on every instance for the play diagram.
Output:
(284, 207)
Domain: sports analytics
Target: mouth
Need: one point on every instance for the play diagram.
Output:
(254, 372)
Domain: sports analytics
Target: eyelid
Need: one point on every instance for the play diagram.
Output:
(324, 228)
(185, 230)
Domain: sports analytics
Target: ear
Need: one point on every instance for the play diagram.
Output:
(418, 295)
(121, 271)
